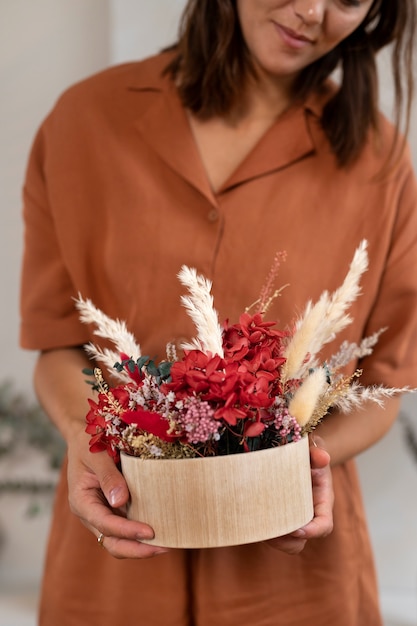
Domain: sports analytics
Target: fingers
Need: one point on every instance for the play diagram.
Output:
(108, 477)
(323, 498)
(98, 495)
(322, 523)
(96, 514)
(120, 537)
(319, 457)
(127, 549)
(287, 543)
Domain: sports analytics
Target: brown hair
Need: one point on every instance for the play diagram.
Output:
(212, 64)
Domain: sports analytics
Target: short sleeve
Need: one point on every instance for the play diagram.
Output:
(48, 316)
(394, 360)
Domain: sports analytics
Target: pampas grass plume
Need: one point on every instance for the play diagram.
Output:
(305, 399)
(199, 305)
(322, 321)
(112, 330)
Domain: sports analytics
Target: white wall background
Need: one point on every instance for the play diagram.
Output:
(45, 45)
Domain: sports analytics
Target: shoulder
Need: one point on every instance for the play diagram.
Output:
(92, 113)
(385, 150)
(135, 73)
(382, 142)
(110, 89)
(387, 154)
(148, 72)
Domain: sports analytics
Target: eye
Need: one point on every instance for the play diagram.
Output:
(352, 3)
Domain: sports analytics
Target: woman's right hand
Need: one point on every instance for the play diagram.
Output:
(98, 495)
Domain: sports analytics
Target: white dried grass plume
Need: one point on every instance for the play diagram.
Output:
(349, 351)
(199, 305)
(322, 321)
(305, 399)
(357, 395)
(107, 358)
(108, 328)
(366, 347)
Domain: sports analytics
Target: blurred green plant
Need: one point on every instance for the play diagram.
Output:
(410, 433)
(23, 424)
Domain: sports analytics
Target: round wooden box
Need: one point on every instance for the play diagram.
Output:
(224, 500)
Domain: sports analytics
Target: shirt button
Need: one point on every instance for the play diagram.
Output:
(213, 215)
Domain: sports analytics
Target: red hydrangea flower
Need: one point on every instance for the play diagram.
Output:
(240, 384)
(150, 422)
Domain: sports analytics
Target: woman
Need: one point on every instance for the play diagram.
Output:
(219, 152)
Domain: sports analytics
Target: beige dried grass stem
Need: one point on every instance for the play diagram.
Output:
(322, 321)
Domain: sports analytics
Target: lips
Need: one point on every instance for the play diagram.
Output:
(291, 37)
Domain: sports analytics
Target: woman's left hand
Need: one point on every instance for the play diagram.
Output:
(323, 498)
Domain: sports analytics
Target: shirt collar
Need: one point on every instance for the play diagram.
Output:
(164, 126)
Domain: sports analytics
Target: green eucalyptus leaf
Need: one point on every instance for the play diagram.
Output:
(141, 361)
(165, 369)
(152, 369)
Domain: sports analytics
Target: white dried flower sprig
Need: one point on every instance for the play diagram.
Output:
(322, 321)
(114, 330)
(350, 351)
(199, 305)
(107, 358)
(357, 395)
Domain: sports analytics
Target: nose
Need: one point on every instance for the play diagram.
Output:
(310, 11)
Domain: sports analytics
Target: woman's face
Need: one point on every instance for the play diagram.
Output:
(284, 36)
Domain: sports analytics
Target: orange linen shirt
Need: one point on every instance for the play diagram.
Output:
(116, 200)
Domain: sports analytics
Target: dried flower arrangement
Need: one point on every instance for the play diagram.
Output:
(238, 388)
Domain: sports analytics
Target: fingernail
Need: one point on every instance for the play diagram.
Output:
(160, 551)
(317, 441)
(144, 535)
(114, 496)
(299, 533)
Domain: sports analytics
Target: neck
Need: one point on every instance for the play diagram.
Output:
(264, 98)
